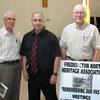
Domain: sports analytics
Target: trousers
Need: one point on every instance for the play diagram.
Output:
(10, 75)
(40, 82)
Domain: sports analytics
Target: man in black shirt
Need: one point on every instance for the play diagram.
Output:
(47, 60)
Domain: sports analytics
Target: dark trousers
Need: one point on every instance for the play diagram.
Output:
(41, 82)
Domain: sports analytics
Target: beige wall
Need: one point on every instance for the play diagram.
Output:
(57, 15)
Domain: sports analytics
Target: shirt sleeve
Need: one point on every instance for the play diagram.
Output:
(96, 39)
(22, 48)
(56, 47)
(62, 42)
(18, 38)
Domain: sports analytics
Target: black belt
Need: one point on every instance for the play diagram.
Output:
(10, 62)
(68, 57)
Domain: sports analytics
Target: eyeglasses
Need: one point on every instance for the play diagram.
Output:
(13, 19)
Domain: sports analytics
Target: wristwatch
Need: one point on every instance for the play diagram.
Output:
(56, 74)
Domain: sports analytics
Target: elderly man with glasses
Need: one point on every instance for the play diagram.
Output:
(10, 71)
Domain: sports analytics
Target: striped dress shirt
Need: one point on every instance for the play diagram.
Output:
(9, 45)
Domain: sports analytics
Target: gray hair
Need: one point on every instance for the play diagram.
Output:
(33, 13)
(79, 5)
(8, 13)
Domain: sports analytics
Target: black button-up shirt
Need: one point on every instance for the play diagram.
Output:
(48, 48)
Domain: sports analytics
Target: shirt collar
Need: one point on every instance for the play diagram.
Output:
(81, 27)
(41, 33)
(5, 32)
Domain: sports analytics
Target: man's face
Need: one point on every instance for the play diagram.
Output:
(79, 15)
(37, 22)
(10, 21)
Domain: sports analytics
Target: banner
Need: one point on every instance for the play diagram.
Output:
(79, 80)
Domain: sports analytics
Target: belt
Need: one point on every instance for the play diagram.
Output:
(69, 58)
(10, 62)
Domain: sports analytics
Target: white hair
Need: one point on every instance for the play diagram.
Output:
(79, 5)
(10, 12)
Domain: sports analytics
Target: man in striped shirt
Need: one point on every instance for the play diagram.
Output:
(10, 70)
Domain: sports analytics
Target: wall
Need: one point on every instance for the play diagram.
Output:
(57, 15)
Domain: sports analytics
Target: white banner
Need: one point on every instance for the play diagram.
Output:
(79, 80)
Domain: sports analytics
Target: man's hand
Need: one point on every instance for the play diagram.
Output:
(53, 79)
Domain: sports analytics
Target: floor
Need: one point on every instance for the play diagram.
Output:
(24, 91)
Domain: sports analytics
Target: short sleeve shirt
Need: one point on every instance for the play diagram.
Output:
(80, 42)
(48, 48)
